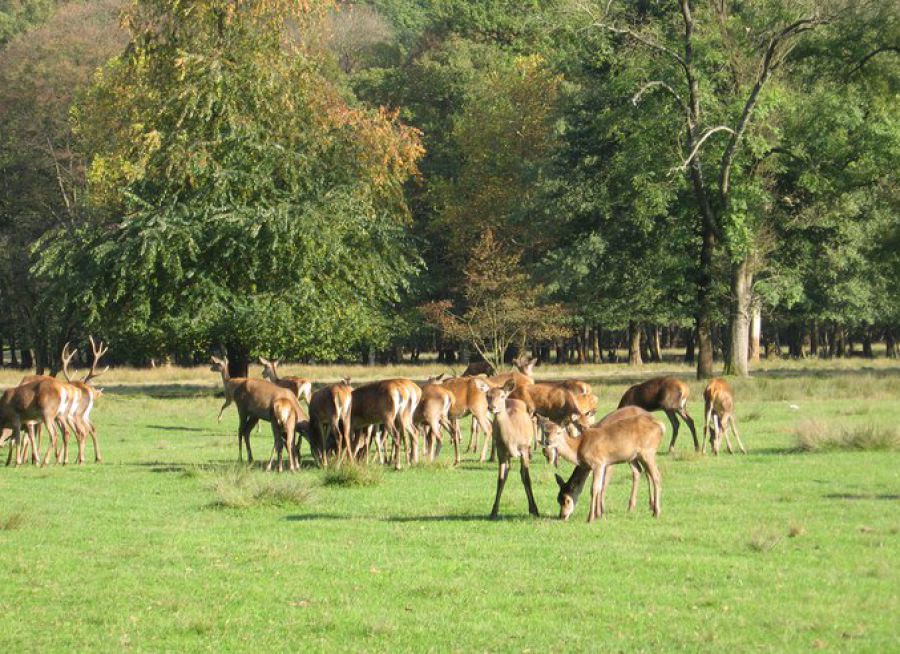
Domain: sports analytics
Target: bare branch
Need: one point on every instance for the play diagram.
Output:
(659, 83)
(709, 132)
(770, 60)
(640, 38)
(862, 62)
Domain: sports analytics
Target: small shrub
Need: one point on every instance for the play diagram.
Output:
(352, 474)
(795, 531)
(763, 541)
(13, 521)
(816, 436)
(239, 487)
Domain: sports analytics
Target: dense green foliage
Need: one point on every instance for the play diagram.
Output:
(297, 179)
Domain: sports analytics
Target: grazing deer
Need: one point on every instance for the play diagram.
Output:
(254, 399)
(718, 415)
(559, 442)
(301, 387)
(386, 403)
(663, 394)
(513, 438)
(40, 400)
(631, 440)
(468, 398)
(432, 413)
(329, 413)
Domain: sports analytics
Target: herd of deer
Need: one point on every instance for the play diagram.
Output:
(41, 400)
(510, 410)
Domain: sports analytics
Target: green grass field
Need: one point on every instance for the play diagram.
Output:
(169, 546)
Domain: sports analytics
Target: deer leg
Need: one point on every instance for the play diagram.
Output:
(721, 429)
(473, 436)
(674, 420)
(98, 458)
(456, 439)
(248, 427)
(344, 424)
(635, 482)
(733, 424)
(276, 447)
(707, 414)
(222, 410)
(525, 473)
(607, 476)
(502, 474)
(655, 484)
(596, 493)
(488, 430)
(690, 423)
(51, 429)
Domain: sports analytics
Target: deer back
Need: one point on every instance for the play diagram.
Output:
(620, 440)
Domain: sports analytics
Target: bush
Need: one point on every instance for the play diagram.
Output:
(240, 487)
(352, 474)
(817, 436)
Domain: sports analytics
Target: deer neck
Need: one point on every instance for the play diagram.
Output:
(576, 482)
(567, 446)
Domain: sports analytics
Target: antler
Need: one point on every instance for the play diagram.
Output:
(66, 359)
(99, 351)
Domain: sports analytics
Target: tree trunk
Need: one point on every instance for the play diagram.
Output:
(736, 361)
(689, 345)
(867, 343)
(13, 355)
(238, 360)
(634, 344)
(27, 359)
(755, 334)
(795, 341)
(814, 339)
(705, 307)
(597, 353)
(653, 343)
(890, 343)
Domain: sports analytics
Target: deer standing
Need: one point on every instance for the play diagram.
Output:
(386, 403)
(522, 375)
(89, 396)
(718, 415)
(513, 438)
(663, 394)
(255, 399)
(631, 440)
(432, 413)
(40, 400)
(300, 386)
(329, 413)
(468, 398)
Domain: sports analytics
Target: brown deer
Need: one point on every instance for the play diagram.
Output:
(663, 394)
(718, 415)
(513, 439)
(40, 400)
(329, 413)
(69, 421)
(432, 413)
(254, 399)
(559, 441)
(468, 398)
(523, 373)
(89, 396)
(631, 440)
(575, 386)
(554, 402)
(300, 386)
(285, 416)
(385, 403)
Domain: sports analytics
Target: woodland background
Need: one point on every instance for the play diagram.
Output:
(372, 181)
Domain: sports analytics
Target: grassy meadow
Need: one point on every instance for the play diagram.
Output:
(169, 545)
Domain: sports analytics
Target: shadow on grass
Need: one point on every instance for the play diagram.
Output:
(163, 391)
(859, 496)
(461, 518)
(177, 428)
(312, 517)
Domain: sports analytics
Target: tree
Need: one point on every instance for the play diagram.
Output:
(502, 305)
(239, 199)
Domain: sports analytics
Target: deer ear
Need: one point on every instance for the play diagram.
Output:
(482, 386)
(591, 413)
(575, 417)
(560, 481)
(509, 385)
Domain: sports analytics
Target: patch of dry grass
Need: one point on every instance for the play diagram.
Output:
(818, 436)
(240, 487)
(352, 474)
